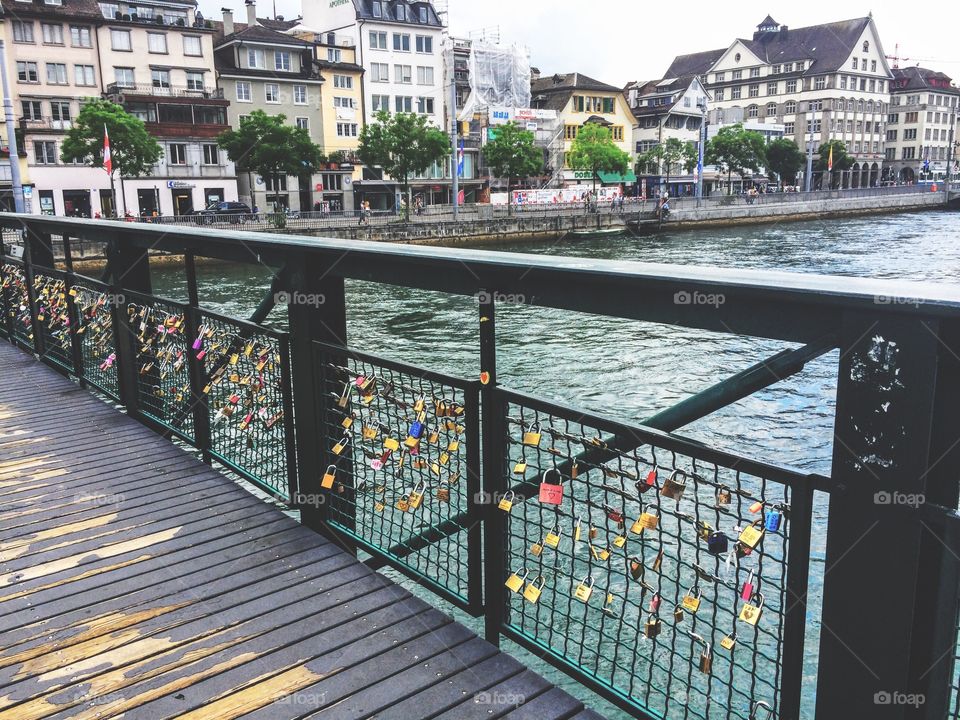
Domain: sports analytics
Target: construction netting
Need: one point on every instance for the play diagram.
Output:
(499, 75)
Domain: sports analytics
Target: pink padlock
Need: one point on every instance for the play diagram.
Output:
(655, 602)
(747, 592)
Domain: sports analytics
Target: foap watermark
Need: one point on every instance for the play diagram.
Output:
(913, 500)
(308, 499)
(497, 298)
(307, 699)
(500, 699)
(685, 297)
(100, 499)
(300, 298)
(485, 498)
(895, 300)
(899, 698)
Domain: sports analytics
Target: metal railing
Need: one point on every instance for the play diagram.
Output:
(671, 577)
(170, 91)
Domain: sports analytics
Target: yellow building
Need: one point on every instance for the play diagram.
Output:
(579, 99)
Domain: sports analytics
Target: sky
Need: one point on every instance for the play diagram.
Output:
(618, 41)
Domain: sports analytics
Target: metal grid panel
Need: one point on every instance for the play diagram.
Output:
(98, 352)
(602, 630)
(954, 709)
(18, 304)
(244, 372)
(53, 317)
(388, 461)
(163, 375)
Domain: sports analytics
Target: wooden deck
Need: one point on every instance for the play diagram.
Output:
(137, 582)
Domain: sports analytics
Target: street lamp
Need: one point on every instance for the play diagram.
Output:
(702, 107)
(809, 178)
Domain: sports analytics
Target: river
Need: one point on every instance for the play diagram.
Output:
(630, 370)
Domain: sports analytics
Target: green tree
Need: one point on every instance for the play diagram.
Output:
(785, 159)
(593, 149)
(404, 145)
(841, 160)
(735, 150)
(266, 145)
(133, 151)
(668, 155)
(512, 154)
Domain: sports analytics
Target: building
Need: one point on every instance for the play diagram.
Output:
(823, 82)
(921, 126)
(157, 61)
(259, 68)
(577, 100)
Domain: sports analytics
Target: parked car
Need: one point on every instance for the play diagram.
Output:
(224, 211)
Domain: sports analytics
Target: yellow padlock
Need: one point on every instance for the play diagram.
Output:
(341, 445)
(619, 541)
(328, 477)
(750, 613)
(533, 590)
(369, 432)
(552, 538)
(391, 444)
(752, 534)
(506, 502)
(403, 504)
(416, 497)
(453, 446)
(520, 467)
(537, 548)
(584, 589)
(532, 436)
(691, 601)
(515, 581)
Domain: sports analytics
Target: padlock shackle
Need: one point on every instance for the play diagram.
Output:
(543, 478)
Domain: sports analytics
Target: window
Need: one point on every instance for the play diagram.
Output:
(401, 42)
(60, 110)
(771, 109)
(775, 70)
(737, 74)
(402, 74)
(866, 46)
(271, 92)
(873, 66)
(856, 64)
(425, 105)
(255, 59)
(424, 44)
(849, 126)
(570, 132)
(380, 102)
(346, 129)
(281, 60)
(378, 40)
(789, 129)
(299, 94)
(22, 31)
(735, 93)
(909, 153)
(790, 107)
(243, 92)
(788, 67)
(377, 8)
(929, 117)
(401, 13)
(344, 82)
(52, 34)
(772, 88)
(873, 85)
(403, 103)
(31, 109)
(791, 86)
(334, 55)
(379, 72)
(123, 77)
(160, 78)
(754, 91)
(346, 102)
(843, 82)
(45, 152)
(893, 118)
(424, 75)
(84, 75)
(814, 127)
(194, 80)
(80, 36)
(820, 82)
(753, 111)
(755, 72)
(910, 117)
(56, 74)
(274, 184)
(720, 77)
(423, 15)
(177, 154)
(928, 134)
(120, 40)
(192, 45)
(910, 134)
(303, 123)
(211, 154)
(718, 95)
(815, 105)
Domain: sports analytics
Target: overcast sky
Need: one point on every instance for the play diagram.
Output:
(617, 41)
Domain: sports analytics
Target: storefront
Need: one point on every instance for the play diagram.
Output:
(603, 179)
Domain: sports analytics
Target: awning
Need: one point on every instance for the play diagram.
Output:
(613, 178)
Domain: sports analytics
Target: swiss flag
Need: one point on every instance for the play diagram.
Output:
(107, 162)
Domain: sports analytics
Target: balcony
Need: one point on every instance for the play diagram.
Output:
(45, 124)
(185, 130)
(150, 90)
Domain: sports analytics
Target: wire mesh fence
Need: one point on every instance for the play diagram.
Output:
(400, 476)
(94, 302)
(673, 563)
(53, 317)
(16, 293)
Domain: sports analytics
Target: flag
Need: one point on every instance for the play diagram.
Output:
(107, 162)
(460, 160)
(460, 198)
(830, 160)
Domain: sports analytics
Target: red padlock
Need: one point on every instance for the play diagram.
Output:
(551, 493)
(747, 592)
(655, 602)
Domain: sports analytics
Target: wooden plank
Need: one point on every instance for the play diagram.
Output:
(501, 698)
(554, 703)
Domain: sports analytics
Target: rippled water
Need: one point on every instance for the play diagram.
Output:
(631, 370)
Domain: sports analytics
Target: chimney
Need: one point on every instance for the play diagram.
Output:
(227, 21)
(251, 13)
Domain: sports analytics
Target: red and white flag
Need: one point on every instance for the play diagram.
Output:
(107, 162)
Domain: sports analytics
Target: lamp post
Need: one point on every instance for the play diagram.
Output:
(702, 106)
(808, 180)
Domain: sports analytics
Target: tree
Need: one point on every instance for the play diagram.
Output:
(512, 154)
(785, 159)
(133, 151)
(264, 144)
(593, 149)
(735, 150)
(667, 155)
(841, 160)
(404, 145)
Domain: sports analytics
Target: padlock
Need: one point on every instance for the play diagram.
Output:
(584, 589)
(723, 495)
(750, 613)
(537, 548)
(658, 561)
(506, 502)
(577, 524)
(691, 601)
(758, 707)
(533, 590)
(655, 602)
(551, 493)
(391, 444)
(752, 534)
(717, 543)
(574, 470)
(746, 593)
(706, 660)
(443, 494)
(515, 581)
(756, 507)
(338, 448)
(328, 477)
(520, 467)
(674, 485)
(369, 432)
(364, 383)
(729, 641)
(619, 541)
(772, 520)
(454, 446)
(347, 422)
(652, 627)
(703, 529)
(608, 606)
(403, 504)
(613, 514)
(532, 436)
(592, 533)
(678, 614)
(602, 554)
(416, 497)
(636, 567)
(552, 538)
(644, 485)
(435, 436)
(418, 404)
(648, 520)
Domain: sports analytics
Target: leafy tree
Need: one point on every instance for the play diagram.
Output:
(512, 154)
(404, 145)
(670, 154)
(264, 144)
(593, 149)
(841, 160)
(735, 150)
(133, 151)
(785, 159)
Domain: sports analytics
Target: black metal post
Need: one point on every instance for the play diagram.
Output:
(474, 493)
(190, 268)
(199, 381)
(289, 426)
(129, 268)
(33, 244)
(76, 341)
(795, 613)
